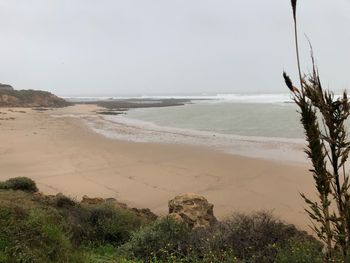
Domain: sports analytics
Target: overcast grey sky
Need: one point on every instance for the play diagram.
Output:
(105, 47)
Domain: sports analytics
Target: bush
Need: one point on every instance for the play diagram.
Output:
(163, 239)
(2, 185)
(253, 238)
(3, 245)
(110, 224)
(20, 183)
(56, 229)
(94, 224)
(63, 201)
(99, 224)
(105, 254)
(37, 235)
(170, 241)
(297, 251)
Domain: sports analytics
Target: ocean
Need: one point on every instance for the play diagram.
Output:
(253, 116)
(258, 115)
(263, 126)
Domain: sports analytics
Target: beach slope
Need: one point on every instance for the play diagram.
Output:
(63, 155)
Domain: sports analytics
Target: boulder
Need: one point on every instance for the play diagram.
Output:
(193, 210)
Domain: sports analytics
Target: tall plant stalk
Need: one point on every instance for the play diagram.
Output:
(294, 8)
(328, 149)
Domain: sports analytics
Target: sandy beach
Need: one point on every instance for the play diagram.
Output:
(65, 155)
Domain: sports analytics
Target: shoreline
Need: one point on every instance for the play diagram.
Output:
(63, 155)
(122, 127)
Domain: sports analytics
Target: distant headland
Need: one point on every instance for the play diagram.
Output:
(9, 97)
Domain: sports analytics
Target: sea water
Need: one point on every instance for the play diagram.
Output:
(246, 119)
(262, 126)
(264, 115)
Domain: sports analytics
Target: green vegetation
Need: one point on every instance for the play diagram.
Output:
(30, 98)
(19, 183)
(32, 233)
(164, 240)
(242, 238)
(39, 228)
(299, 252)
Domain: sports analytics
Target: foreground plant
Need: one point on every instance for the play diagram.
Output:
(323, 117)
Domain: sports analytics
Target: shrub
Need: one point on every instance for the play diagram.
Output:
(37, 235)
(163, 239)
(170, 241)
(63, 201)
(100, 223)
(2, 185)
(20, 183)
(297, 251)
(255, 237)
(110, 224)
(105, 254)
(3, 245)
(57, 229)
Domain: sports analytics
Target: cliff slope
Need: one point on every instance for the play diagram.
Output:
(30, 98)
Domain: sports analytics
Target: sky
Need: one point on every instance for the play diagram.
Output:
(148, 47)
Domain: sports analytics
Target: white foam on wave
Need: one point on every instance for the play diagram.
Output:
(256, 98)
(121, 127)
(237, 98)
